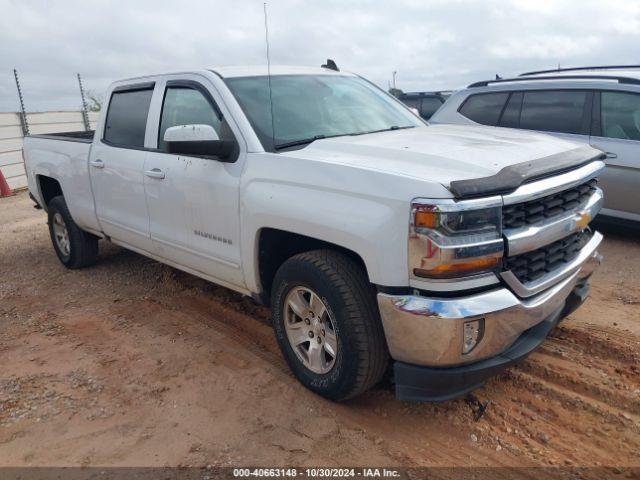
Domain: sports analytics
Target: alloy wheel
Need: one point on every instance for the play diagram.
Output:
(310, 330)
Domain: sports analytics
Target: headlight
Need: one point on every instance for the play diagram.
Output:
(449, 239)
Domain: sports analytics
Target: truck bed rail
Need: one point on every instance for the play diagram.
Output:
(79, 136)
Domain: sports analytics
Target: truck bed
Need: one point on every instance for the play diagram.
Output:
(63, 157)
(84, 136)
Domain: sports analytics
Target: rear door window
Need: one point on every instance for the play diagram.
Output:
(484, 108)
(620, 114)
(559, 111)
(126, 122)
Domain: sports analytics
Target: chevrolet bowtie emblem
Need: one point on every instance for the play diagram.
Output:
(583, 219)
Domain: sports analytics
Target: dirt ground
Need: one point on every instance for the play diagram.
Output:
(133, 363)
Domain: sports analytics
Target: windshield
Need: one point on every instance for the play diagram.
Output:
(308, 107)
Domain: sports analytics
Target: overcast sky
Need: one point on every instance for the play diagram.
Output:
(432, 44)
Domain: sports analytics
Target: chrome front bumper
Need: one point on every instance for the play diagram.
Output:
(429, 331)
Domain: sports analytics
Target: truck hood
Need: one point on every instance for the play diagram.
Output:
(437, 153)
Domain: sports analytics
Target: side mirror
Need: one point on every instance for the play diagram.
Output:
(198, 140)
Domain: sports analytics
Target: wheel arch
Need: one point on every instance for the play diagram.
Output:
(275, 246)
(48, 188)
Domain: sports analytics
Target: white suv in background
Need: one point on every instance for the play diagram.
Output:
(599, 106)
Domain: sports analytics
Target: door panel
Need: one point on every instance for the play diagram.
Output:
(118, 190)
(621, 179)
(616, 130)
(116, 165)
(194, 214)
(193, 202)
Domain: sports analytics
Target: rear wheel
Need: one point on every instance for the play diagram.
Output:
(74, 247)
(327, 324)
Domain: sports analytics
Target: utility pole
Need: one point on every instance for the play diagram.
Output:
(394, 79)
(85, 114)
(23, 113)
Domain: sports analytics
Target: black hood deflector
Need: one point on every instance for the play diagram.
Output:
(511, 177)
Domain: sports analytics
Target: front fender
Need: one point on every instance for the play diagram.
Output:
(364, 211)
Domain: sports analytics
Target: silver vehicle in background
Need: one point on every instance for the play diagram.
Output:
(424, 103)
(599, 106)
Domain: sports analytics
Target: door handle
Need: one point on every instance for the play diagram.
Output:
(97, 163)
(611, 155)
(154, 173)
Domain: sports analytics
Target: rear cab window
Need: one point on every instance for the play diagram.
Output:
(126, 121)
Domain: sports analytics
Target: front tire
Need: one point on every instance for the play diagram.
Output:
(74, 247)
(327, 324)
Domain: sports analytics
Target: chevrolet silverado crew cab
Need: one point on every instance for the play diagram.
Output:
(374, 237)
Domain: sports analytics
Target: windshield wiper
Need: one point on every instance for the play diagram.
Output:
(305, 141)
(302, 141)
(393, 127)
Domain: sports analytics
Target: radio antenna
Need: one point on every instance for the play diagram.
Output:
(266, 38)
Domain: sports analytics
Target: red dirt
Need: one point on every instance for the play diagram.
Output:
(133, 363)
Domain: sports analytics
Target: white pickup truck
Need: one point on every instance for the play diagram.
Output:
(374, 237)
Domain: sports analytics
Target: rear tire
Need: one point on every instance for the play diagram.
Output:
(348, 319)
(74, 247)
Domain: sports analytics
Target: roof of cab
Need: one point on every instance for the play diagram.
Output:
(237, 71)
(261, 70)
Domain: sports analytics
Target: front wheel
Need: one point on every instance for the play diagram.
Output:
(74, 247)
(327, 324)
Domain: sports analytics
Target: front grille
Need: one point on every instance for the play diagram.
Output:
(527, 213)
(532, 265)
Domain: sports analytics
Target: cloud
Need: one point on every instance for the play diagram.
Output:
(560, 47)
(434, 44)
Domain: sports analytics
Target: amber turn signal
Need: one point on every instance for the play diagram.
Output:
(458, 269)
(426, 219)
